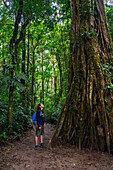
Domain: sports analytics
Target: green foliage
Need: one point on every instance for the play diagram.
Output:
(3, 115)
(49, 36)
(52, 108)
(5, 82)
(109, 14)
(108, 70)
(52, 112)
(3, 137)
(21, 121)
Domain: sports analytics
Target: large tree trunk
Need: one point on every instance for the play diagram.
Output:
(86, 120)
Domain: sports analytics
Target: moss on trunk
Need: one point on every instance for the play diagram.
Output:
(85, 117)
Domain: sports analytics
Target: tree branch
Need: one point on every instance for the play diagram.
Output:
(5, 4)
(15, 32)
(22, 30)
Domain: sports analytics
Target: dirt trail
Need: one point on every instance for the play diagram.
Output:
(21, 155)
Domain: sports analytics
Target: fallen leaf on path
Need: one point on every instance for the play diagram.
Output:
(89, 163)
(8, 150)
(74, 164)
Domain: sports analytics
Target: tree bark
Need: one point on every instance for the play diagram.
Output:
(61, 76)
(13, 51)
(23, 68)
(42, 79)
(85, 109)
(28, 73)
(33, 78)
(48, 82)
(23, 58)
(4, 70)
(32, 86)
(55, 80)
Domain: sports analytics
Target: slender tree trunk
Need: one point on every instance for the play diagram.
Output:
(55, 87)
(11, 89)
(23, 59)
(13, 47)
(34, 95)
(28, 73)
(3, 60)
(85, 118)
(42, 79)
(33, 79)
(23, 69)
(48, 80)
(32, 86)
(55, 82)
(47, 88)
(61, 76)
(4, 70)
(14, 42)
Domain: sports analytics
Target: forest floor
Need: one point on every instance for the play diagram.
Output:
(22, 155)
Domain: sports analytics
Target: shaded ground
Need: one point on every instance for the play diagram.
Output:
(21, 155)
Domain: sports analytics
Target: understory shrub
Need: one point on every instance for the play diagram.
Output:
(52, 111)
(21, 121)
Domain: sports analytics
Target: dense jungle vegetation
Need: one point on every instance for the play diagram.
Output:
(42, 61)
(35, 51)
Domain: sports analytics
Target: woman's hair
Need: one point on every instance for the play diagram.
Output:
(38, 107)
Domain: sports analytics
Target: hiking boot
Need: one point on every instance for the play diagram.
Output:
(42, 145)
(36, 146)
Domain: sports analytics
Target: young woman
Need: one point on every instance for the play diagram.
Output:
(40, 125)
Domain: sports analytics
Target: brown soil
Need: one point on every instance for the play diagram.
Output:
(21, 155)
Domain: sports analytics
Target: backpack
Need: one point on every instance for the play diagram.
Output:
(34, 118)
